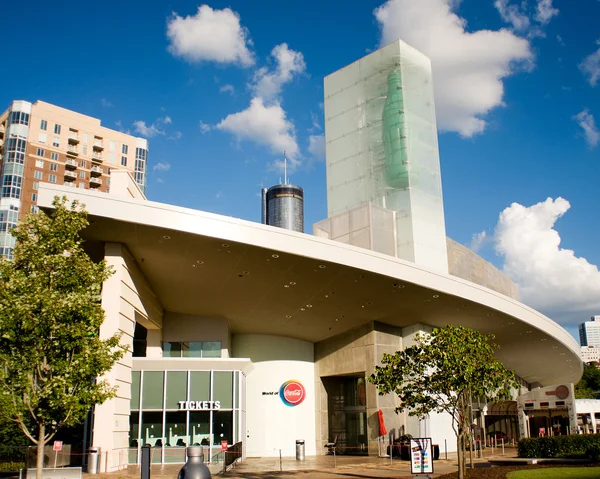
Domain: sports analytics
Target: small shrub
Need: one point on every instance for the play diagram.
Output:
(559, 446)
(593, 452)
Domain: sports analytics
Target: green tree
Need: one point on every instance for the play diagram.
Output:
(51, 356)
(440, 373)
(589, 383)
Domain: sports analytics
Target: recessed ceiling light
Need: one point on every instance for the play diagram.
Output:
(436, 296)
(309, 305)
(288, 316)
(337, 319)
(200, 262)
(286, 285)
(166, 237)
(193, 266)
(401, 286)
(246, 272)
(322, 266)
(292, 283)
(327, 296)
(274, 256)
(225, 245)
(529, 331)
(302, 309)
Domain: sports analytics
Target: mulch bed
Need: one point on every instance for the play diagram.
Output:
(500, 472)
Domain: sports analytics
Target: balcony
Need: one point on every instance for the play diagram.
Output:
(71, 164)
(70, 175)
(73, 137)
(98, 145)
(2, 129)
(95, 182)
(97, 157)
(96, 171)
(72, 150)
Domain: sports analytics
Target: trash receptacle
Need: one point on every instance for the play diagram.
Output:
(299, 449)
(93, 463)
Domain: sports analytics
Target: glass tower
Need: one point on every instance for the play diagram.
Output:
(382, 148)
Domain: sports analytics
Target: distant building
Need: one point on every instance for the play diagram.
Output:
(41, 142)
(590, 354)
(283, 205)
(589, 332)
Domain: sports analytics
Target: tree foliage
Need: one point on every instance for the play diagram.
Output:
(441, 372)
(589, 383)
(51, 356)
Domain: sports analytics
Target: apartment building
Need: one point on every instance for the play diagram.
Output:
(41, 142)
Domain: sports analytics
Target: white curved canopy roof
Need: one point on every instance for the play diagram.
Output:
(267, 280)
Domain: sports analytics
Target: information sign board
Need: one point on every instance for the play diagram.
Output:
(57, 446)
(421, 457)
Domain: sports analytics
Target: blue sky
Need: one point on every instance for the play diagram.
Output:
(220, 90)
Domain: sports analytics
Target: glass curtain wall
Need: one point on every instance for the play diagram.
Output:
(174, 409)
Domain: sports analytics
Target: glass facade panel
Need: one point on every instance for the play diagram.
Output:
(153, 389)
(176, 436)
(135, 390)
(222, 427)
(211, 349)
(152, 429)
(223, 388)
(200, 428)
(171, 350)
(199, 386)
(176, 388)
(193, 349)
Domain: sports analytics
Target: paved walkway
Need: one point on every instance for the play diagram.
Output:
(314, 467)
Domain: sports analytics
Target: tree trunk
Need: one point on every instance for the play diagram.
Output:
(460, 454)
(40, 452)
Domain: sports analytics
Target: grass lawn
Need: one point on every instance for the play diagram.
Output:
(557, 473)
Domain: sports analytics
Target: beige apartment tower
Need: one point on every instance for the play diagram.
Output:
(41, 142)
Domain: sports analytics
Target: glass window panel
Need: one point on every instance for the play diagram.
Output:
(236, 381)
(176, 388)
(222, 427)
(211, 349)
(135, 389)
(176, 436)
(199, 428)
(171, 350)
(134, 429)
(152, 391)
(199, 386)
(192, 349)
(152, 431)
(223, 392)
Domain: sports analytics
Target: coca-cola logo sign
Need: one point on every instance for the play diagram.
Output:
(292, 392)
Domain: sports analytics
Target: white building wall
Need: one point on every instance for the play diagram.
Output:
(271, 425)
(126, 299)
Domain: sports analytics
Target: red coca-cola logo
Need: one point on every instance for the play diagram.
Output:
(292, 392)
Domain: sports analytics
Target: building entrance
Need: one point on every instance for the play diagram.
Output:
(347, 414)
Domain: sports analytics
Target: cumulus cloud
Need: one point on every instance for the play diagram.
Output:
(106, 103)
(316, 146)
(590, 131)
(551, 279)
(266, 125)
(468, 67)
(156, 128)
(227, 89)
(162, 166)
(512, 13)
(478, 241)
(204, 127)
(590, 66)
(545, 11)
(267, 83)
(210, 35)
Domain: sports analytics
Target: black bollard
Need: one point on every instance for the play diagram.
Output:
(145, 461)
(194, 468)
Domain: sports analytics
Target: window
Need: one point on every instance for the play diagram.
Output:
(42, 137)
(57, 129)
(82, 185)
(125, 149)
(52, 178)
(34, 197)
(35, 209)
(112, 146)
(109, 170)
(43, 125)
(38, 175)
(82, 175)
(192, 349)
(124, 160)
(56, 142)
(53, 167)
(36, 184)
(85, 149)
(40, 152)
(54, 155)
(39, 164)
(84, 164)
(18, 118)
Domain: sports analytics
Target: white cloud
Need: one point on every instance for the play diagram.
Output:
(545, 11)
(551, 279)
(478, 241)
(266, 125)
(167, 120)
(210, 35)
(204, 127)
(162, 166)
(147, 131)
(590, 66)
(468, 68)
(512, 14)
(316, 146)
(590, 131)
(227, 89)
(106, 103)
(176, 136)
(266, 83)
